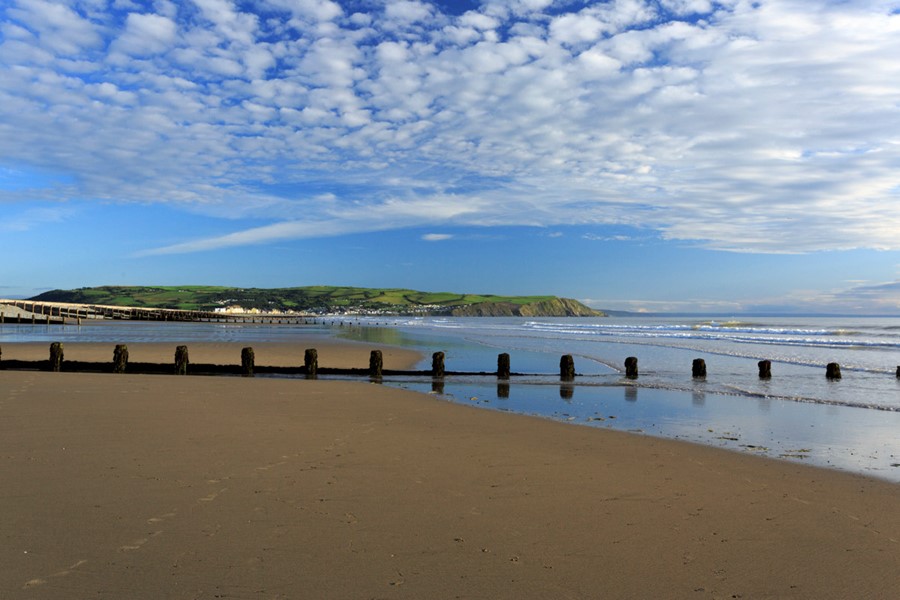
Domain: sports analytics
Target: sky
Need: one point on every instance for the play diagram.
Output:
(666, 155)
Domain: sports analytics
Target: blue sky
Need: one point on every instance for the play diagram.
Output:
(666, 155)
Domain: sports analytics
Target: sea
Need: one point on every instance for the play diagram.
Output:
(799, 414)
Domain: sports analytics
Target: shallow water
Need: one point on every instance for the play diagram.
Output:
(868, 351)
(851, 424)
(831, 436)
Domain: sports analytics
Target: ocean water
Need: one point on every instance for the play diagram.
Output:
(867, 349)
(799, 415)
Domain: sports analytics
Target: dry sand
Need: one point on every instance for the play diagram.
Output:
(158, 487)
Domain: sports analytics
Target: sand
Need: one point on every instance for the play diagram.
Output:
(130, 486)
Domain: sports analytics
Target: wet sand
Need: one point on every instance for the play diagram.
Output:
(128, 486)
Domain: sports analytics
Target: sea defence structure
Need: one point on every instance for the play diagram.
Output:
(376, 372)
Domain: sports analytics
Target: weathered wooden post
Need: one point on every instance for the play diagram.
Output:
(437, 365)
(181, 360)
(248, 362)
(503, 368)
(898, 372)
(376, 364)
(120, 358)
(566, 391)
(631, 367)
(437, 386)
(311, 363)
(56, 357)
(503, 389)
(698, 368)
(765, 369)
(833, 371)
(566, 368)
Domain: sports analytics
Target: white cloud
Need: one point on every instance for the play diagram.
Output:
(316, 10)
(146, 34)
(687, 7)
(58, 27)
(753, 127)
(437, 237)
(577, 28)
(234, 25)
(479, 21)
(407, 11)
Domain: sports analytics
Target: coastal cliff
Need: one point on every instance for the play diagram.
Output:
(554, 307)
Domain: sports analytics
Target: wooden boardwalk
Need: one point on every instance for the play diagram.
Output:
(31, 311)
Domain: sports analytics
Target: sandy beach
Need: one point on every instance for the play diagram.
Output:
(130, 486)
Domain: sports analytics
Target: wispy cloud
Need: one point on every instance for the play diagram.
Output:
(607, 238)
(756, 127)
(34, 217)
(878, 297)
(436, 237)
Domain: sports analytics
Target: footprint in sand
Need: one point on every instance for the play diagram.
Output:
(212, 496)
(161, 518)
(137, 544)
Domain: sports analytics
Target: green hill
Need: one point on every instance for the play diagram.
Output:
(322, 299)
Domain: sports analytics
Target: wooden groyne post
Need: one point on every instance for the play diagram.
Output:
(503, 368)
(120, 358)
(765, 369)
(631, 367)
(248, 362)
(437, 365)
(311, 363)
(833, 371)
(376, 364)
(181, 360)
(698, 368)
(566, 368)
(56, 357)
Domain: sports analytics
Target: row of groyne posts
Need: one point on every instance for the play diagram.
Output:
(311, 370)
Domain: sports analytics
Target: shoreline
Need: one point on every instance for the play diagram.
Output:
(180, 487)
(823, 436)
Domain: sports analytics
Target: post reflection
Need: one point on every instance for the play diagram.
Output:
(631, 393)
(698, 398)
